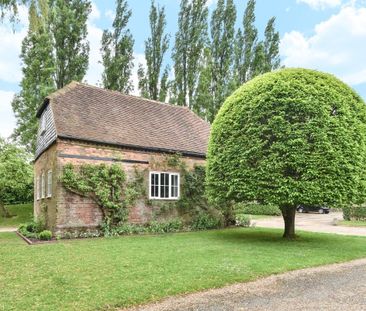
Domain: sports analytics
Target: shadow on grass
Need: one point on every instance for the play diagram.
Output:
(273, 236)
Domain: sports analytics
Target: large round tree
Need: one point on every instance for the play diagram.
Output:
(289, 137)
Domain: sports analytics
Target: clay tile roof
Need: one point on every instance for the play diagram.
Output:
(94, 114)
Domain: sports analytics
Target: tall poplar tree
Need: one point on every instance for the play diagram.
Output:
(153, 83)
(246, 41)
(222, 46)
(54, 52)
(117, 51)
(254, 57)
(190, 41)
(38, 68)
(69, 30)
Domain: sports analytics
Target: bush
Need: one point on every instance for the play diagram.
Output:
(174, 225)
(257, 209)
(242, 220)
(204, 221)
(354, 212)
(45, 235)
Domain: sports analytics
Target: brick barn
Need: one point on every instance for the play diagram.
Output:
(85, 124)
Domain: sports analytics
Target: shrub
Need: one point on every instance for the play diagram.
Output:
(205, 221)
(289, 137)
(257, 209)
(174, 225)
(242, 220)
(354, 212)
(45, 235)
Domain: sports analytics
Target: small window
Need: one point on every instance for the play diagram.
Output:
(37, 186)
(43, 186)
(164, 185)
(43, 123)
(49, 184)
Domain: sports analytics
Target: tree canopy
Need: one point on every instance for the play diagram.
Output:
(16, 175)
(289, 137)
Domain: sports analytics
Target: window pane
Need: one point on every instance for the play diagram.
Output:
(164, 185)
(154, 185)
(174, 186)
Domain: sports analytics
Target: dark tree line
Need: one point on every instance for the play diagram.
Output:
(210, 57)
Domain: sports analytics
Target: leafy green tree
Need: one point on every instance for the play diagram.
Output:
(254, 57)
(16, 175)
(190, 41)
(37, 81)
(291, 137)
(272, 46)
(221, 46)
(69, 31)
(153, 83)
(54, 53)
(203, 100)
(246, 41)
(117, 51)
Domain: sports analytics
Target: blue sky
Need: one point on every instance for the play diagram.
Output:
(328, 35)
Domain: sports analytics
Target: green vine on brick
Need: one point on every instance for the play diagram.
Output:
(106, 185)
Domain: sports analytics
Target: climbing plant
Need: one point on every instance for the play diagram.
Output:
(106, 185)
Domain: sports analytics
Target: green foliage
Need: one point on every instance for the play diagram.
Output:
(354, 212)
(106, 185)
(242, 220)
(117, 51)
(45, 235)
(253, 57)
(190, 41)
(287, 138)
(16, 174)
(257, 209)
(204, 221)
(33, 229)
(222, 48)
(153, 83)
(54, 52)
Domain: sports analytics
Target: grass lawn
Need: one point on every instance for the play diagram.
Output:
(352, 223)
(22, 213)
(114, 272)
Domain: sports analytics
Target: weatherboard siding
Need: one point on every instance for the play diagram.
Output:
(48, 137)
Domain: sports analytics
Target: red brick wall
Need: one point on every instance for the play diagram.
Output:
(75, 212)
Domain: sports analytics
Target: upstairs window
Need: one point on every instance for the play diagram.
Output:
(43, 123)
(49, 184)
(38, 188)
(164, 185)
(43, 186)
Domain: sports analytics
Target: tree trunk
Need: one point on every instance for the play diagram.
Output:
(288, 214)
(4, 211)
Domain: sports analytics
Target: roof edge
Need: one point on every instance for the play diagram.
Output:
(136, 147)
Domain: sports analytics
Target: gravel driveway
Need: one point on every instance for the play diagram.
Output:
(334, 287)
(314, 222)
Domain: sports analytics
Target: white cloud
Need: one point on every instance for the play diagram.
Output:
(94, 73)
(7, 119)
(321, 4)
(338, 45)
(110, 14)
(10, 47)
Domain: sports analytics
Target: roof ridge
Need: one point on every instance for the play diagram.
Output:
(129, 95)
(68, 87)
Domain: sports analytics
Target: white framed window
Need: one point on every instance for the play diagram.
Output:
(164, 185)
(43, 123)
(43, 186)
(49, 184)
(38, 188)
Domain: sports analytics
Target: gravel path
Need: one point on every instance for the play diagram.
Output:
(313, 222)
(334, 287)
